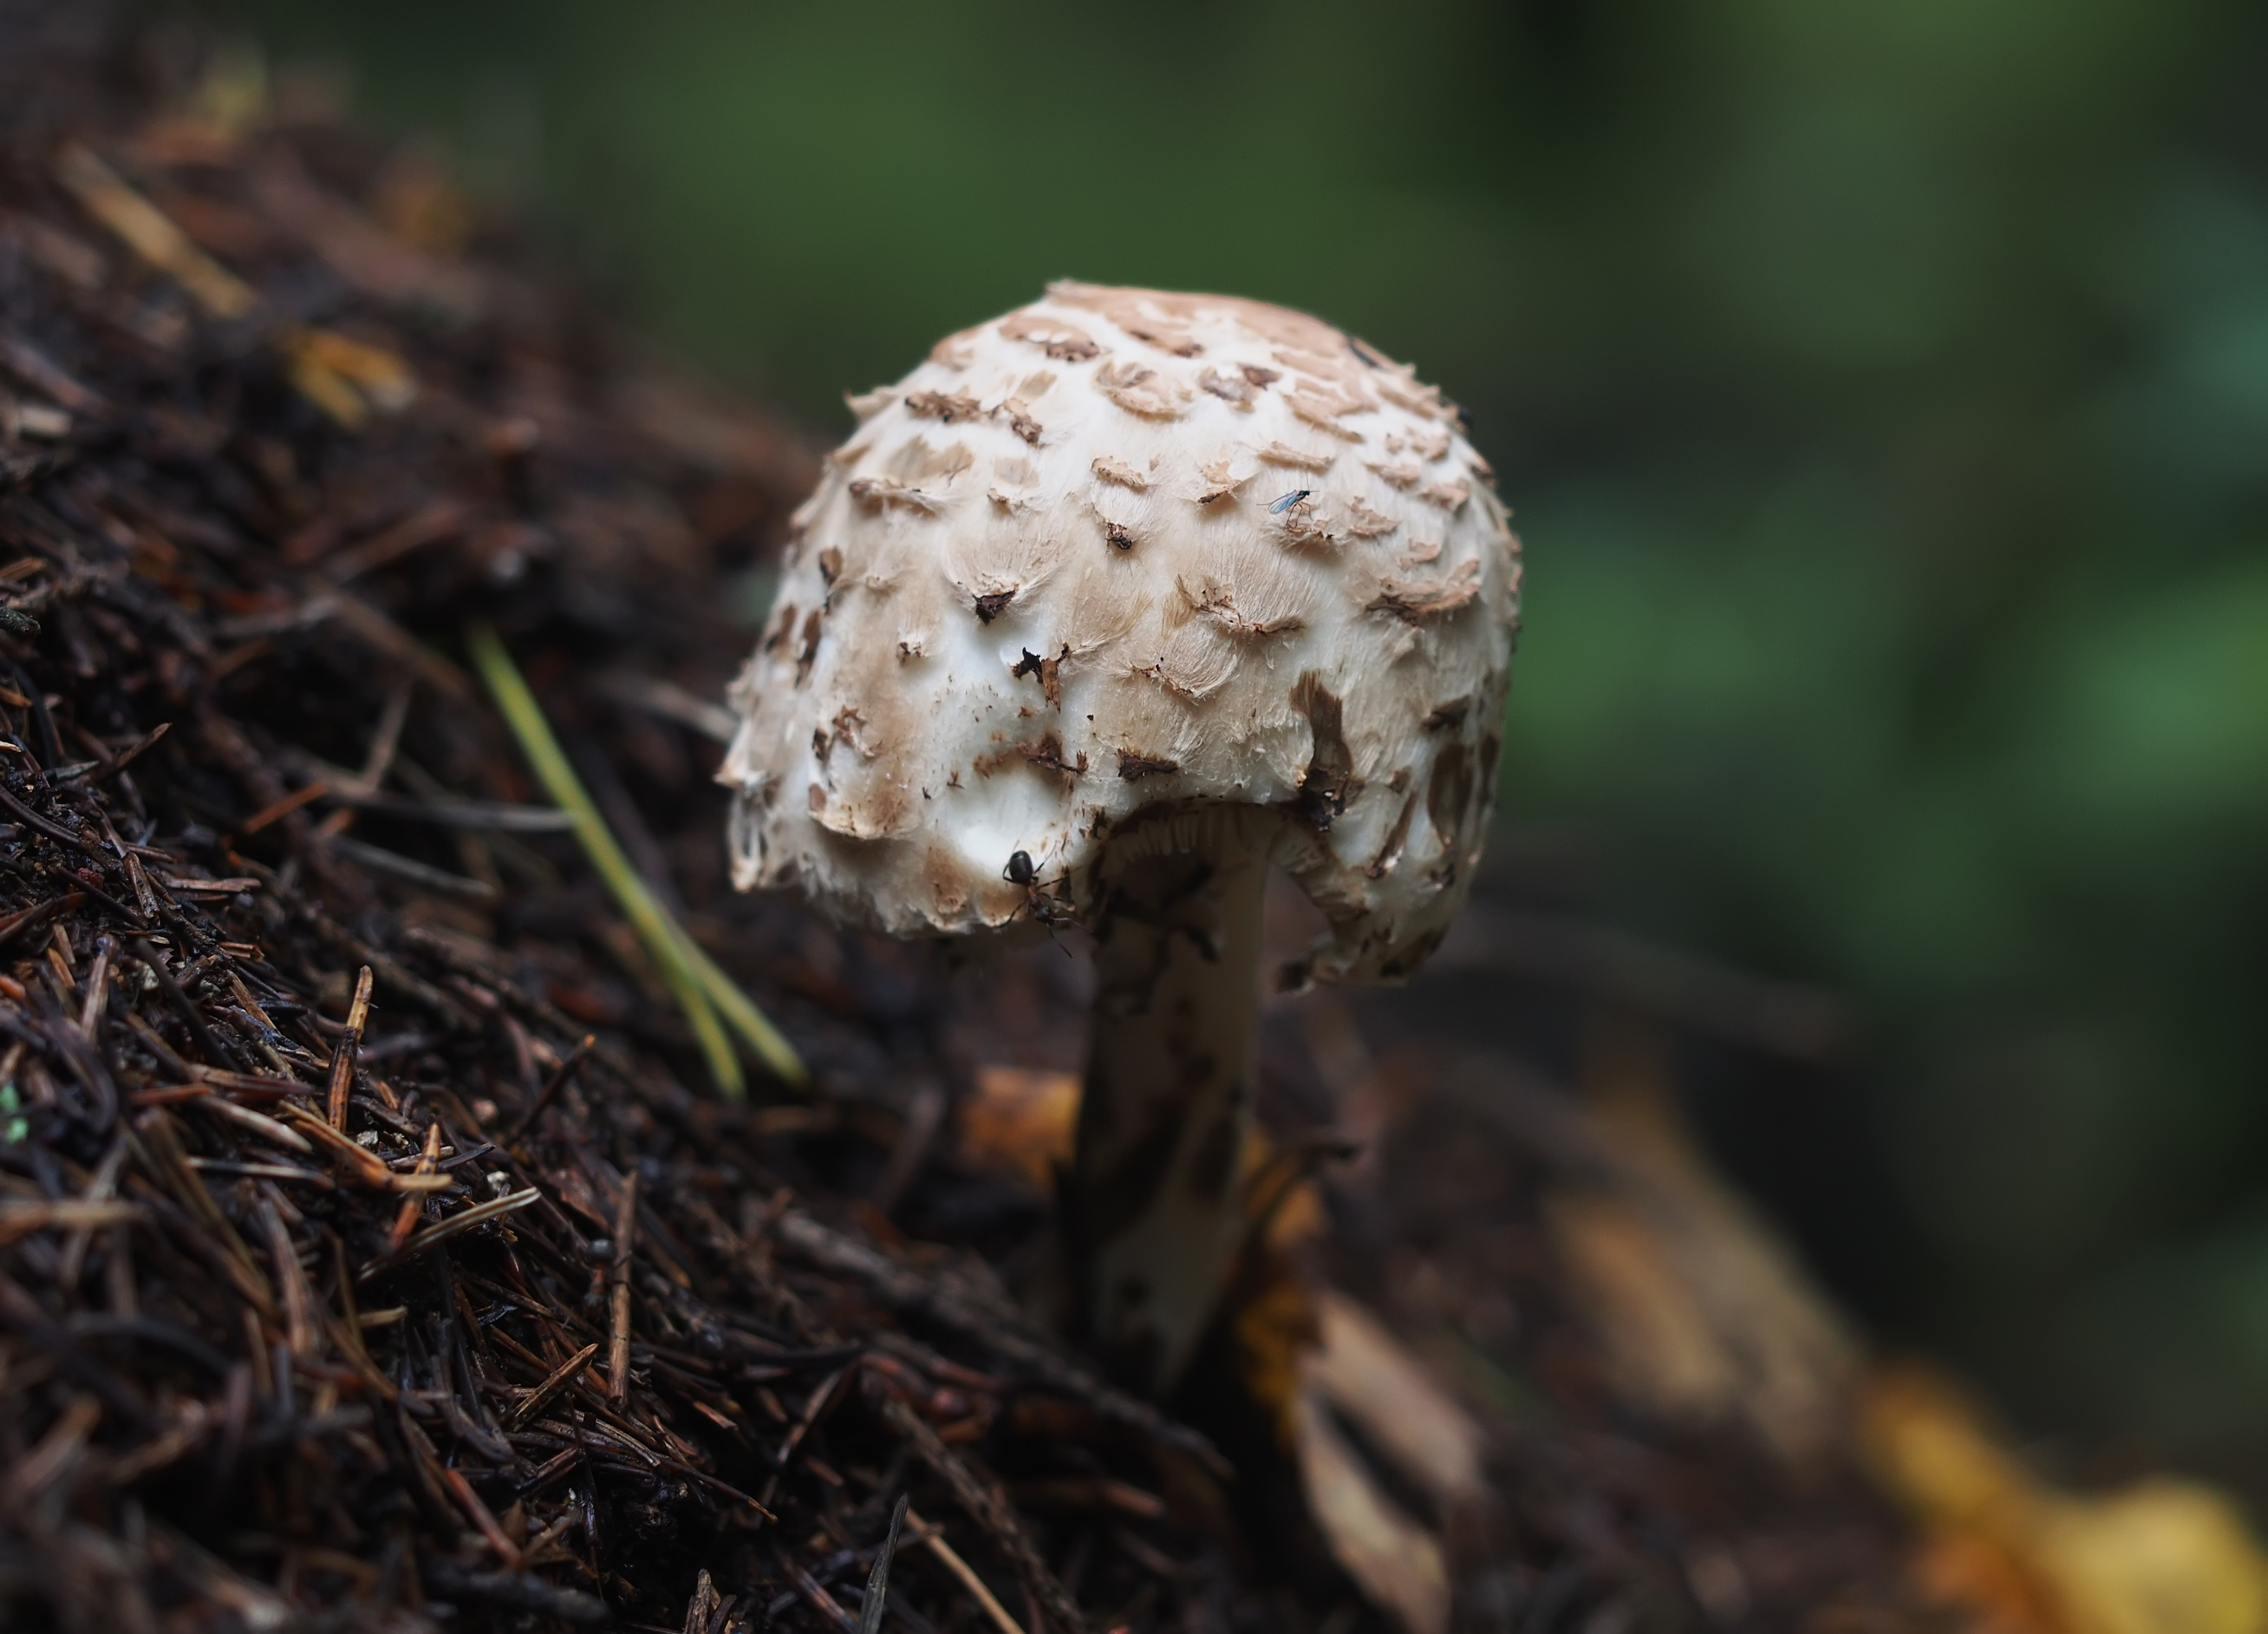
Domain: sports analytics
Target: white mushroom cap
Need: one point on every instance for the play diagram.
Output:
(1054, 584)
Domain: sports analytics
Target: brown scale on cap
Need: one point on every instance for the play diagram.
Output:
(1049, 671)
(943, 406)
(1365, 523)
(807, 652)
(1297, 459)
(1065, 342)
(1232, 388)
(1422, 604)
(1132, 766)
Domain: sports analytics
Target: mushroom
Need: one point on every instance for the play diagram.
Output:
(1108, 607)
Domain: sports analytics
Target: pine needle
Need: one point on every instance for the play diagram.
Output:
(702, 991)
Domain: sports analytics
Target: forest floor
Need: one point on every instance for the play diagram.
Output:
(375, 1248)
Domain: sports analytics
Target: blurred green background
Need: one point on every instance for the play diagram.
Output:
(1883, 394)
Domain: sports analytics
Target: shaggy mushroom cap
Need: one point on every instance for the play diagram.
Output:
(1118, 555)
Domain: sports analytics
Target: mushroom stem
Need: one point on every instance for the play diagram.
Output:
(1155, 1208)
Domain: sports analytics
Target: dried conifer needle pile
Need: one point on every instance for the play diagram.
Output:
(371, 1238)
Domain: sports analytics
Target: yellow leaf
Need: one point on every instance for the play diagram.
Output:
(153, 234)
(349, 379)
(1021, 1121)
(2161, 1557)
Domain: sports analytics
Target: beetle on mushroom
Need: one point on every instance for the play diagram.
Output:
(1237, 683)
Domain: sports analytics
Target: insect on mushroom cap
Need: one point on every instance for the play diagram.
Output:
(1048, 591)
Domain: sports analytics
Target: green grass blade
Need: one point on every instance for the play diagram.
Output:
(707, 1031)
(646, 914)
(753, 1025)
(702, 988)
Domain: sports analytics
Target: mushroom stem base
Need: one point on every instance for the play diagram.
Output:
(1155, 1207)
